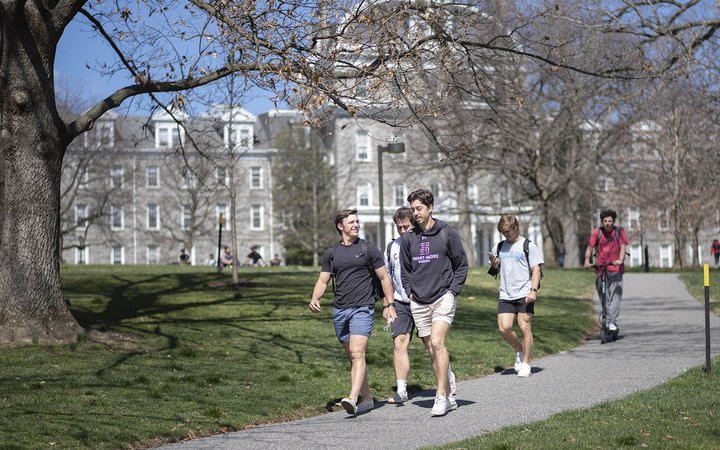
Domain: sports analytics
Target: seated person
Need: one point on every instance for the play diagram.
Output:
(254, 258)
(184, 257)
(226, 259)
(276, 261)
(210, 261)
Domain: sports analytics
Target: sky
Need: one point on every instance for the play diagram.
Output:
(78, 49)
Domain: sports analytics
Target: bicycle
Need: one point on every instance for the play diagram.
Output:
(605, 333)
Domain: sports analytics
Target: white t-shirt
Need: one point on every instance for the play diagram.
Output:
(515, 276)
(393, 267)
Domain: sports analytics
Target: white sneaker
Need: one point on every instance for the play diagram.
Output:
(441, 406)
(612, 327)
(398, 397)
(349, 405)
(452, 404)
(518, 361)
(365, 405)
(453, 384)
(524, 371)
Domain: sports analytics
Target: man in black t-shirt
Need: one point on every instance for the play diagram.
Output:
(353, 300)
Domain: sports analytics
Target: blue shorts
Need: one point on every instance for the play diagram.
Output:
(353, 321)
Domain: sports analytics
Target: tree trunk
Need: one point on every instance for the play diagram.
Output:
(32, 145)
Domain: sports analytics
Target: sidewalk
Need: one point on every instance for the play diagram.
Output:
(661, 334)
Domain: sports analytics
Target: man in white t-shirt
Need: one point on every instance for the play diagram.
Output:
(519, 283)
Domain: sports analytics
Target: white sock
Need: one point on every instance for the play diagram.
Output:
(402, 385)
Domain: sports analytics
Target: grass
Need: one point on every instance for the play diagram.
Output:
(174, 352)
(683, 413)
(695, 282)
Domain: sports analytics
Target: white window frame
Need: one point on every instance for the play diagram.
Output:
(633, 215)
(149, 208)
(168, 135)
(117, 177)
(364, 194)
(105, 129)
(152, 254)
(83, 177)
(257, 212)
(399, 197)
(81, 255)
(117, 249)
(81, 215)
(666, 253)
(148, 177)
(362, 146)
(117, 210)
(242, 135)
(222, 175)
(187, 179)
(256, 177)
(636, 255)
(664, 220)
(186, 218)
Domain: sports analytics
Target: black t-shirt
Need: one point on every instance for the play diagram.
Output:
(353, 280)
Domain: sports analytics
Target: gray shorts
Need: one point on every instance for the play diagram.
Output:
(516, 306)
(404, 324)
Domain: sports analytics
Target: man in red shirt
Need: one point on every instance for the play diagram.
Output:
(610, 242)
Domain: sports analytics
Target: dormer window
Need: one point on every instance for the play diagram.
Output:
(102, 135)
(240, 136)
(168, 135)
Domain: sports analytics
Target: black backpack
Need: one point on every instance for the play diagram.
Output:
(526, 250)
(376, 284)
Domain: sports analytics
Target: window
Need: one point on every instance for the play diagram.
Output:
(188, 179)
(104, 134)
(187, 219)
(153, 254)
(472, 193)
(221, 209)
(663, 220)
(666, 260)
(116, 177)
(152, 176)
(633, 217)
(399, 194)
(222, 176)
(635, 255)
(153, 222)
(238, 135)
(256, 178)
(363, 194)
(168, 135)
(81, 255)
(83, 177)
(362, 146)
(81, 214)
(116, 217)
(505, 195)
(117, 255)
(256, 217)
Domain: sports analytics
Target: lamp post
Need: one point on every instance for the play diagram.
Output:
(394, 147)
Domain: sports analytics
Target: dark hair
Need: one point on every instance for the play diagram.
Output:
(403, 213)
(425, 197)
(608, 213)
(342, 215)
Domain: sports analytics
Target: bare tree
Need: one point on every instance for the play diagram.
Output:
(286, 47)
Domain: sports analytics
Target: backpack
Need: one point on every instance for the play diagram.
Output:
(597, 241)
(376, 284)
(526, 250)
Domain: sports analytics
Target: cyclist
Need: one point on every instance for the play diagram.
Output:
(610, 242)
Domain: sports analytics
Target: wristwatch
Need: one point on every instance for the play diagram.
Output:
(533, 289)
(389, 305)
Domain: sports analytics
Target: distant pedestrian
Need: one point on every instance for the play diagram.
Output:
(184, 258)
(351, 263)
(715, 251)
(519, 284)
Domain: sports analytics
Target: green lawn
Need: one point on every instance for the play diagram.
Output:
(695, 282)
(175, 352)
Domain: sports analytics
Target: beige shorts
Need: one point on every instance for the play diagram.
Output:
(442, 309)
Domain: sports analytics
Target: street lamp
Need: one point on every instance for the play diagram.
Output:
(393, 147)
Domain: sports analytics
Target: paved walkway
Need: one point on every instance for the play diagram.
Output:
(662, 334)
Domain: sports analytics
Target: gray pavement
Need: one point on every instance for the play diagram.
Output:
(661, 334)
